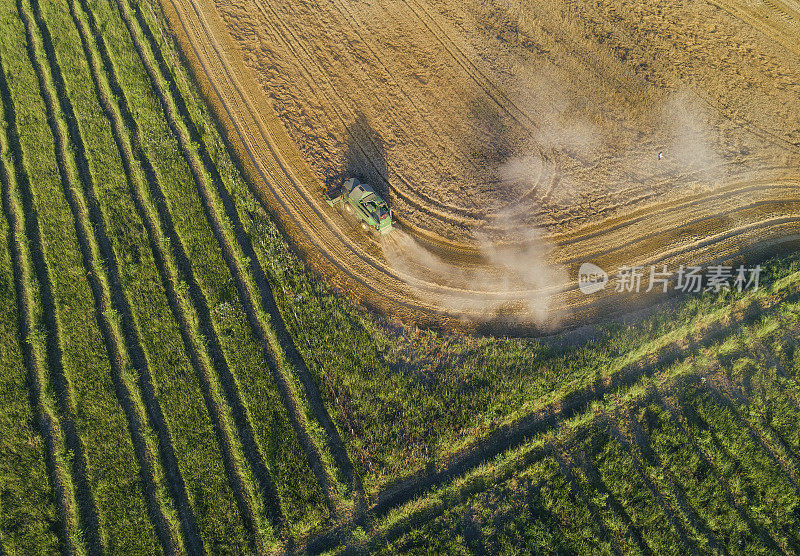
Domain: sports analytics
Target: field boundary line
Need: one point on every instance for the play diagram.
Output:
(281, 179)
(24, 239)
(509, 437)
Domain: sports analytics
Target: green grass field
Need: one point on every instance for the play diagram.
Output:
(176, 380)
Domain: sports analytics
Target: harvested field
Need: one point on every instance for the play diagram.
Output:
(514, 141)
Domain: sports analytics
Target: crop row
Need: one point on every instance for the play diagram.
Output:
(85, 379)
(268, 390)
(174, 432)
(29, 519)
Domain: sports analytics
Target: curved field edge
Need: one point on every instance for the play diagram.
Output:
(283, 182)
(340, 385)
(407, 400)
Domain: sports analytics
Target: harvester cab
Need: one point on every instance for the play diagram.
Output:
(360, 199)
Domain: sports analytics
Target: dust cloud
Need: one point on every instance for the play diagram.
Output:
(517, 277)
(690, 138)
(514, 282)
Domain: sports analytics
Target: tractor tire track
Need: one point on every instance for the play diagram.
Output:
(74, 170)
(486, 84)
(273, 354)
(419, 200)
(158, 223)
(25, 246)
(361, 33)
(285, 184)
(758, 17)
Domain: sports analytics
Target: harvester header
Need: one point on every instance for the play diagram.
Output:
(359, 198)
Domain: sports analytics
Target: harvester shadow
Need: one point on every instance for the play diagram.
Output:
(370, 167)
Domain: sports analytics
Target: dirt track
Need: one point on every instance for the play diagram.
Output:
(511, 146)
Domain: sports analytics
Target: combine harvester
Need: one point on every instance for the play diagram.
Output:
(361, 199)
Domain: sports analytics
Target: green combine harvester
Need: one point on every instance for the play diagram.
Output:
(359, 198)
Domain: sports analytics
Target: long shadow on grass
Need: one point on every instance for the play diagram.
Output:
(642, 438)
(727, 396)
(659, 497)
(696, 419)
(592, 474)
(511, 436)
(756, 529)
(579, 496)
(119, 302)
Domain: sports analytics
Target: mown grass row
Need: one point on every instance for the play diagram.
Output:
(673, 465)
(88, 379)
(78, 175)
(123, 124)
(245, 335)
(201, 459)
(238, 204)
(304, 404)
(30, 436)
